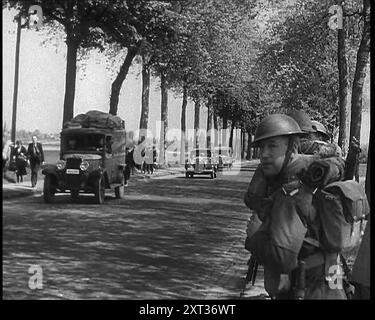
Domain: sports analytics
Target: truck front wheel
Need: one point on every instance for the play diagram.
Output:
(99, 190)
(120, 190)
(49, 189)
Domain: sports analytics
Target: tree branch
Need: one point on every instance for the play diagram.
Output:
(359, 13)
(52, 15)
(112, 31)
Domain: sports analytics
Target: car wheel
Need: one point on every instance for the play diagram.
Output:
(74, 194)
(187, 175)
(99, 190)
(120, 190)
(49, 189)
(212, 175)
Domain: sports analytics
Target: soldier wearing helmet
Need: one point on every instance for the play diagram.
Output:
(321, 144)
(315, 139)
(321, 131)
(304, 121)
(276, 232)
(278, 137)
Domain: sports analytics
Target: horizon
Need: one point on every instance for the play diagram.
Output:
(44, 95)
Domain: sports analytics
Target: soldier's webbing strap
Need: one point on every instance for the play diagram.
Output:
(312, 241)
(314, 260)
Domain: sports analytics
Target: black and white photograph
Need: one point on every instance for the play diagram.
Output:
(206, 151)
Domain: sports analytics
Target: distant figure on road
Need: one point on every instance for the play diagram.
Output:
(129, 159)
(154, 157)
(148, 160)
(21, 160)
(7, 147)
(36, 157)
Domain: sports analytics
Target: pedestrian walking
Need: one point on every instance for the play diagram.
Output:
(7, 150)
(154, 158)
(148, 160)
(129, 168)
(35, 156)
(21, 160)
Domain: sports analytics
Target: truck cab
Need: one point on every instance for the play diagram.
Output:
(91, 161)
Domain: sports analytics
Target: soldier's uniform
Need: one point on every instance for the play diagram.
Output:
(361, 269)
(287, 231)
(288, 234)
(321, 148)
(312, 149)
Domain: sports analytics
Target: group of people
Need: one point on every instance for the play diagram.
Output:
(283, 232)
(149, 159)
(16, 158)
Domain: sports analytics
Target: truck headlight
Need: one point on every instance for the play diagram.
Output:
(60, 165)
(84, 165)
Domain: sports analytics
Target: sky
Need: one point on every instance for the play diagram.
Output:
(42, 86)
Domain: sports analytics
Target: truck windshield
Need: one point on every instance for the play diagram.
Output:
(83, 142)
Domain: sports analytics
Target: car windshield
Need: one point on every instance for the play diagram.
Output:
(83, 142)
(200, 153)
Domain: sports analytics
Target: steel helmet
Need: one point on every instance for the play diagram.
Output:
(319, 127)
(302, 119)
(276, 125)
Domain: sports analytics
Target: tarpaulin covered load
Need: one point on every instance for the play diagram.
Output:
(95, 119)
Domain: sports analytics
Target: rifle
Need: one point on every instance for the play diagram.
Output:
(348, 287)
(251, 273)
(252, 270)
(300, 281)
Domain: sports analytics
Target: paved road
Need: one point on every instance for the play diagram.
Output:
(170, 238)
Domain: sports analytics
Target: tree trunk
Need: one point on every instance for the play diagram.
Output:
(368, 181)
(231, 135)
(243, 139)
(163, 115)
(343, 85)
(216, 131)
(249, 140)
(16, 74)
(70, 79)
(183, 126)
(117, 83)
(224, 133)
(196, 122)
(209, 122)
(143, 123)
(359, 78)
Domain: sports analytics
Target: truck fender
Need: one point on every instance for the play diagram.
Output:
(50, 170)
(98, 173)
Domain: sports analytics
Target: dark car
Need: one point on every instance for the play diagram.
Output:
(91, 160)
(201, 161)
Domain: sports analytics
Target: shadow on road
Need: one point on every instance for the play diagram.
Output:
(164, 240)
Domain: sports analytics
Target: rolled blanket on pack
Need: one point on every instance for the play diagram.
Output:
(324, 171)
